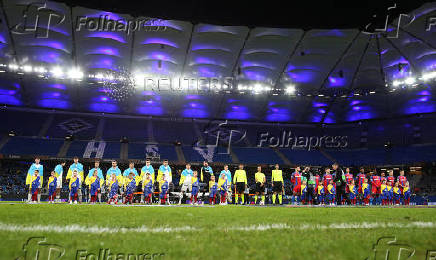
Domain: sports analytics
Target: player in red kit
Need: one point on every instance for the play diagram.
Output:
(391, 178)
(296, 183)
(402, 180)
(375, 188)
(383, 177)
(348, 178)
(327, 177)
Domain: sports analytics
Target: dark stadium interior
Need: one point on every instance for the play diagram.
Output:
(217, 129)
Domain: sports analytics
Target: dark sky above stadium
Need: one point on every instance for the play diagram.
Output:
(272, 13)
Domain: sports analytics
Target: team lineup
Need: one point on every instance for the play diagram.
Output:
(334, 187)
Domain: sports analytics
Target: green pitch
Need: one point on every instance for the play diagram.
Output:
(220, 232)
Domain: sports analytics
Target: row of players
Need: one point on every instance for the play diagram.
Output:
(334, 187)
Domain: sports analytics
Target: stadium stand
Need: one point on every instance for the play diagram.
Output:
(112, 150)
(133, 129)
(376, 156)
(77, 148)
(219, 154)
(413, 154)
(171, 131)
(302, 157)
(81, 127)
(32, 146)
(168, 152)
(22, 123)
(257, 155)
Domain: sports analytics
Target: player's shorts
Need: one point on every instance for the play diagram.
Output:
(278, 186)
(59, 182)
(186, 187)
(297, 189)
(240, 187)
(260, 187)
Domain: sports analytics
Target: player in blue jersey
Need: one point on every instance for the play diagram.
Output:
(228, 175)
(30, 173)
(213, 189)
(164, 186)
(74, 186)
(129, 170)
(35, 184)
(51, 185)
(99, 175)
(164, 177)
(223, 188)
(95, 183)
(147, 187)
(185, 182)
(80, 174)
(147, 169)
(130, 187)
(195, 189)
(114, 170)
(331, 193)
(113, 187)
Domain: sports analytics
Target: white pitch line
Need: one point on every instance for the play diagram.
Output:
(167, 229)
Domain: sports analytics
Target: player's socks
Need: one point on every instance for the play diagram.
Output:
(255, 199)
(236, 198)
(39, 197)
(280, 198)
(263, 198)
(273, 199)
(243, 198)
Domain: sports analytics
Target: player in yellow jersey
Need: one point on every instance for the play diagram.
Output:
(240, 181)
(277, 184)
(260, 179)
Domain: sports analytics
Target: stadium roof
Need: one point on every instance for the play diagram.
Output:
(322, 75)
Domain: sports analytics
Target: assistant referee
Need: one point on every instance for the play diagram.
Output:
(240, 181)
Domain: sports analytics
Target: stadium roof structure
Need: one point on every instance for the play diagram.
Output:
(277, 74)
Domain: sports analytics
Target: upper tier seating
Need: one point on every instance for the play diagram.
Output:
(32, 146)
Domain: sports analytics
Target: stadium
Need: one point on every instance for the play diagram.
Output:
(193, 130)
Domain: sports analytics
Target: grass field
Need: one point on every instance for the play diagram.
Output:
(220, 232)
